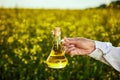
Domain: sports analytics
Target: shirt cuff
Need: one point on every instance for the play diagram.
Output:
(107, 54)
(102, 48)
(105, 47)
(98, 55)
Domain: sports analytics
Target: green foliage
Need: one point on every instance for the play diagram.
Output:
(25, 43)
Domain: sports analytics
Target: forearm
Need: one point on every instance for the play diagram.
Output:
(107, 54)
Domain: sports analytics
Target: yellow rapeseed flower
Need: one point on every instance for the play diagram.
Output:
(20, 41)
(10, 39)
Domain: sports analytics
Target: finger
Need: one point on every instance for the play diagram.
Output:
(70, 46)
(78, 52)
(73, 53)
(71, 40)
(68, 50)
(65, 42)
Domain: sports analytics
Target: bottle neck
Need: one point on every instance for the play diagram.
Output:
(57, 44)
(57, 40)
(56, 37)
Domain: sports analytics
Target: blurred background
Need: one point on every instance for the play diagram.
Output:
(26, 39)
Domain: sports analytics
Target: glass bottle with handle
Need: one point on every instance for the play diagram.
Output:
(56, 58)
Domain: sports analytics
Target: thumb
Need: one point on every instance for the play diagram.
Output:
(70, 41)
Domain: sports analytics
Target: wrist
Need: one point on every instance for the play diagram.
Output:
(92, 46)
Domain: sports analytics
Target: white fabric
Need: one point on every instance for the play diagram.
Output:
(107, 54)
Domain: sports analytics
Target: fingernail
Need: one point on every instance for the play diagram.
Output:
(62, 40)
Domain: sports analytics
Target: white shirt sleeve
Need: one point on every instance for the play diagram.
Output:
(107, 54)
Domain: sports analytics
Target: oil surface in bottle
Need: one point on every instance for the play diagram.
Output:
(57, 58)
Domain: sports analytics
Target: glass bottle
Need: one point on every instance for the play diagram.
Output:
(56, 58)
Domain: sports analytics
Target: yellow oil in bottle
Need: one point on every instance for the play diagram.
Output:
(57, 59)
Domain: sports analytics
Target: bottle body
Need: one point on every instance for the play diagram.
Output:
(57, 58)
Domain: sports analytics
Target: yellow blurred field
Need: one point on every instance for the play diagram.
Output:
(26, 41)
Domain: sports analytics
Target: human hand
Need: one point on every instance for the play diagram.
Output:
(78, 46)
